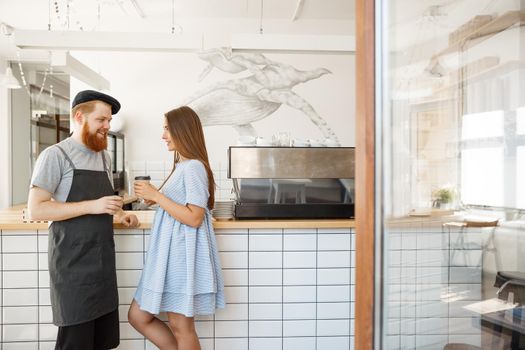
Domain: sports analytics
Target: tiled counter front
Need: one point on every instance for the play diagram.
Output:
(285, 289)
(433, 272)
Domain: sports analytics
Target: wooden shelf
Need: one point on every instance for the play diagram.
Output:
(446, 93)
(491, 72)
(486, 31)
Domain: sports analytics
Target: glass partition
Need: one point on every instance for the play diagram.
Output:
(452, 125)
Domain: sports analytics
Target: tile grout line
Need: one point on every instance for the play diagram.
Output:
(282, 289)
(38, 285)
(143, 264)
(248, 289)
(2, 290)
(350, 292)
(316, 281)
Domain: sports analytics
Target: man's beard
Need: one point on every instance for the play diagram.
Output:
(93, 141)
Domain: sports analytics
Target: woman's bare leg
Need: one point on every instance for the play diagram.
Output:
(184, 330)
(152, 328)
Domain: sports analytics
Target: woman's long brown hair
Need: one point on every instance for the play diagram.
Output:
(186, 133)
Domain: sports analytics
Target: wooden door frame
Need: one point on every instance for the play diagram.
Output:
(365, 174)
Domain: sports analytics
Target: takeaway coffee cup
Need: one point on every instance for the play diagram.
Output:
(143, 179)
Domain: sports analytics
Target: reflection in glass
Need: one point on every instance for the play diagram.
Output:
(453, 174)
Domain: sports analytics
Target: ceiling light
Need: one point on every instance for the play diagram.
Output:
(6, 29)
(435, 69)
(9, 81)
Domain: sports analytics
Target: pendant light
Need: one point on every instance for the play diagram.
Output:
(9, 81)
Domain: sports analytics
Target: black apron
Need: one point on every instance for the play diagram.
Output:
(83, 278)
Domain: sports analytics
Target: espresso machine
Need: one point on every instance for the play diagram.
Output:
(292, 182)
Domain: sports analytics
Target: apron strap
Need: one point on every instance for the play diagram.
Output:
(104, 161)
(67, 157)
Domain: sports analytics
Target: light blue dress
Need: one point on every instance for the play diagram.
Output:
(182, 272)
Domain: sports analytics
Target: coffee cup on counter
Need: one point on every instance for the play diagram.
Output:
(142, 179)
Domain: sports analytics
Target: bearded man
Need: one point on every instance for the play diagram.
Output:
(72, 187)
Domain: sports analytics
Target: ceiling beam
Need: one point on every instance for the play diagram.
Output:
(66, 63)
(107, 41)
(293, 43)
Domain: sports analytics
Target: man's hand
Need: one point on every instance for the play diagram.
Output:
(106, 205)
(130, 220)
(148, 202)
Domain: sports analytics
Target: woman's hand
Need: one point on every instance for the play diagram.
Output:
(146, 191)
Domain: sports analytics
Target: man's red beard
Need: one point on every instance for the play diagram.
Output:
(93, 141)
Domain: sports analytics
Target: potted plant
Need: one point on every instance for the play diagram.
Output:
(443, 197)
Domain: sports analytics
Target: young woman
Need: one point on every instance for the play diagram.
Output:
(182, 274)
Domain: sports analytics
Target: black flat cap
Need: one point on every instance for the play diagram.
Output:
(92, 95)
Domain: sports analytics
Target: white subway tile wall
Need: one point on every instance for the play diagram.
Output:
(432, 272)
(285, 289)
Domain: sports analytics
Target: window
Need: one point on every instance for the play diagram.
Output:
(493, 159)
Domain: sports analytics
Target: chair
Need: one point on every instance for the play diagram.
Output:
(460, 245)
(511, 282)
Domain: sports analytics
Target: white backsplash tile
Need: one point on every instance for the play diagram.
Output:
(333, 343)
(299, 242)
(17, 315)
(48, 332)
(265, 242)
(293, 260)
(20, 279)
(231, 329)
(265, 260)
(20, 297)
(19, 244)
(228, 242)
(232, 343)
(20, 262)
(299, 328)
(204, 329)
(333, 327)
(234, 260)
(20, 332)
(265, 328)
(293, 311)
(233, 312)
(265, 311)
(334, 241)
(264, 277)
(265, 294)
(299, 343)
(299, 294)
(299, 277)
(236, 294)
(238, 277)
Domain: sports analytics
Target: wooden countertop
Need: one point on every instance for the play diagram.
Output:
(12, 219)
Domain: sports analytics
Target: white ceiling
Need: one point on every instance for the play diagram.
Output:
(411, 24)
(208, 17)
(36, 14)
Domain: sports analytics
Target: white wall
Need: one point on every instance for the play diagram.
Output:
(5, 147)
(150, 84)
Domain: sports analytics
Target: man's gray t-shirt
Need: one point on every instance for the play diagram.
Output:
(54, 173)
